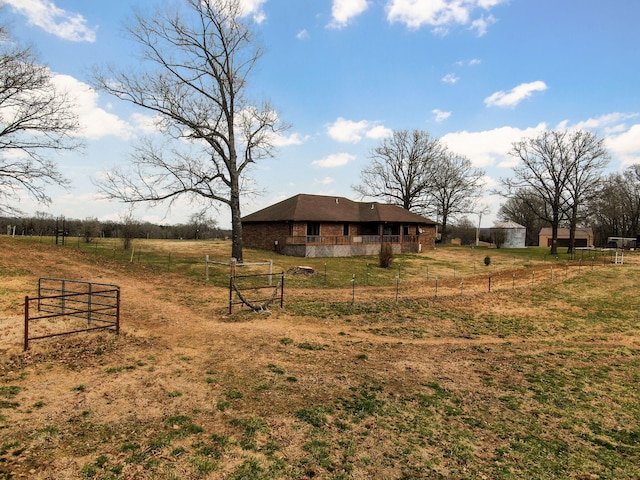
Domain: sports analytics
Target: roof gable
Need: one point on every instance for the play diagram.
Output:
(321, 208)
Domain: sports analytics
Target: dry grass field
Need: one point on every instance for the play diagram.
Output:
(363, 374)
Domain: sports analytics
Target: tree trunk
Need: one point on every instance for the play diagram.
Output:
(236, 224)
(554, 237)
(572, 231)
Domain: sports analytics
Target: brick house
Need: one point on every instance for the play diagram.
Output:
(325, 226)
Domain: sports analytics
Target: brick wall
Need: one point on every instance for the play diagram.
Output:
(428, 237)
(264, 235)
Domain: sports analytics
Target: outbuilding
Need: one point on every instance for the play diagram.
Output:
(509, 235)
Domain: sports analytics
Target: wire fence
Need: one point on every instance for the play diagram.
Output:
(454, 284)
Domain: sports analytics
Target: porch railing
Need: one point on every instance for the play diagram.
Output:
(349, 239)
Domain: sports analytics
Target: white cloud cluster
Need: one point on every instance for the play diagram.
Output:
(441, 14)
(348, 131)
(610, 122)
(343, 11)
(490, 147)
(450, 78)
(514, 96)
(253, 8)
(54, 20)
(622, 141)
(481, 25)
(95, 122)
(625, 146)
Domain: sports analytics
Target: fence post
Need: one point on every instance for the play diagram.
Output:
(230, 294)
(118, 311)
(461, 287)
(281, 289)
(270, 272)
(26, 323)
(397, 286)
(489, 283)
(353, 289)
(436, 285)
(206, 267)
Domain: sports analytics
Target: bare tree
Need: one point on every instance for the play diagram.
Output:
(560, 170)
(465, 230)
(401, 168)
(544, 173)
(89, 229)
(417, 172)
(586, 158)
(34, 118)
(527, 209)
(201, 224)
(129, 229)
(615, 207)
(454, 187)
(197, 64)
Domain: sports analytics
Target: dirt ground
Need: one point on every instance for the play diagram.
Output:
(87, 396)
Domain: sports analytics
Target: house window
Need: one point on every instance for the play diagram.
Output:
(345, 229)
(313, 229)
(405, 230)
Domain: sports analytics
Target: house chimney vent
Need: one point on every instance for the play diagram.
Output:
(337, 201)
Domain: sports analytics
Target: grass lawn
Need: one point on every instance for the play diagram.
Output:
(385, 380)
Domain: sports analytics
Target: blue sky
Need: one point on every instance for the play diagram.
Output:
(478, 74)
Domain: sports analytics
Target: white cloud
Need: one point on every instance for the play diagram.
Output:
(145, 123)
(450, 78)
(515, 95)
(489, 147)
(287, 140)
(611, 122)
(324, 181)
(334, 160)
(348, 131)
(440, 115)
(253, 8)
(303, 35)
(481, 25)
(440, 14)
(469, 63)
(94, 121)
(625, 146)
(379, 132)
(56, 21)
(343, 11)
